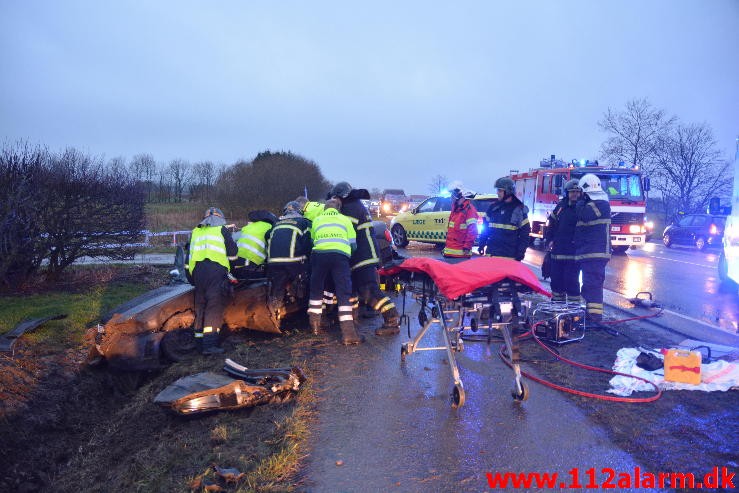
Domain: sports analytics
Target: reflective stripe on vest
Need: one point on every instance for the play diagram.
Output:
(331, 232)
(207, 243)
(251, 244)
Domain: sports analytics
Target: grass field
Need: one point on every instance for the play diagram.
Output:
(66, 429)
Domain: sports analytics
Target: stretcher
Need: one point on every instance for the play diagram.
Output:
(481, 293)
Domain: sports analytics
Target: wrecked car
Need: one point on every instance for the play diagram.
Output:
(156, 327)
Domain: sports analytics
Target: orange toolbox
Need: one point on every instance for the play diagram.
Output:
(683, 366)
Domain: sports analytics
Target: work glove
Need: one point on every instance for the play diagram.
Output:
(481, 249)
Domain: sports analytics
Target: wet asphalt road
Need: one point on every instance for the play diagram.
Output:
(388, 425)
(684, 280)
(392, 426)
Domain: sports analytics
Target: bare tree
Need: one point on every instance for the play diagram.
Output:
(117, 162)
(143, 167)
(180, 173)
(635, 134)
(437, 184)
(689, 169)
(21, 167)
(204, 177)
(60, 207)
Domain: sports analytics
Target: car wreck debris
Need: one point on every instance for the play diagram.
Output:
(206, 392)
(7, 340)
(158, 324)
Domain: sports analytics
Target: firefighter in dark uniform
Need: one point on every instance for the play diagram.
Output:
(593, 243)
(252, 243)
(365, 260)
(211, 250)
(507, 230)
(334, 240)
(560, 239)
(288, 248)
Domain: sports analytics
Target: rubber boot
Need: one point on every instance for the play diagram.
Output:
(210, 343)
(349, 334)
(314, 319)
(391, 325)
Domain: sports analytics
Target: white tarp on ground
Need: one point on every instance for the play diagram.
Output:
(719, 375)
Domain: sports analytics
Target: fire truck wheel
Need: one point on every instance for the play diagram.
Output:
(620, 249)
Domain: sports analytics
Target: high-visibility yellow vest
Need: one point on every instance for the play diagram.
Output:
(207, 242)
(333, 232)
(311, 210)
(252, 244)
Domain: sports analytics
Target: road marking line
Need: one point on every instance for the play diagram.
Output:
(684, 262)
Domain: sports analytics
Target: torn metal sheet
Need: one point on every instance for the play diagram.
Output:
(7, 340)
(206, 392)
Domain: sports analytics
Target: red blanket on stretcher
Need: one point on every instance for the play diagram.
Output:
(454, 280)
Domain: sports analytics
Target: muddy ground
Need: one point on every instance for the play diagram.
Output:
(66, 426)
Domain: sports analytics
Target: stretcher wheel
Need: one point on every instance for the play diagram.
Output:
(473, 325)
(403, 351)
(458, 396)
(523, 395)
(422, 318)
(435, 312)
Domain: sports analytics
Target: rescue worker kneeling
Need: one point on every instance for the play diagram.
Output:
(560, 240)
(334, 240)
(252, 243)
(211, 249)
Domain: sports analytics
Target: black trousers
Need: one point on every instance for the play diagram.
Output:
(366, 285)
(282, 274)
(593, 276)
(565, 280)
(330, 265)
(211, 294)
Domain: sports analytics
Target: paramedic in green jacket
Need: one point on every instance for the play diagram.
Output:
(334, 240)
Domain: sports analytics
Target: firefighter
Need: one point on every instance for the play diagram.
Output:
(288, 248)
(559, 236)
(365, 260)
(593, 243)
(507, 230)
(334, 240)
(211, 250)
(253, 245)
(462, 227)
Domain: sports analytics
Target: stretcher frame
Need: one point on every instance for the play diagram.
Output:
(450, 316)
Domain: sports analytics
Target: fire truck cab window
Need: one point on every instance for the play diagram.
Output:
(546, 184)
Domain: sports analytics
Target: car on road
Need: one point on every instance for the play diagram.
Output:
(393, 201)
(695, 230)
(428, 222)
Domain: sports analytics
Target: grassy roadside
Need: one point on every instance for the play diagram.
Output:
(65, 429)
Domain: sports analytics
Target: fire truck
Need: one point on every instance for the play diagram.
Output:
(541, 188)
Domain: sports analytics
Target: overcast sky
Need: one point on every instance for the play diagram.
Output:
(381, 94)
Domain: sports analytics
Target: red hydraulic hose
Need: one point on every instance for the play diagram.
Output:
(586, 367)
